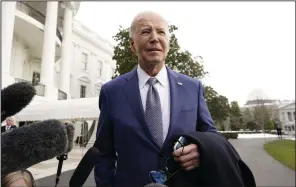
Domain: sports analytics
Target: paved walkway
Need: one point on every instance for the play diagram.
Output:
(49, 167)
(267, 171)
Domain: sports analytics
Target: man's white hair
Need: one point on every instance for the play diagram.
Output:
(133, 24)
(11, 118)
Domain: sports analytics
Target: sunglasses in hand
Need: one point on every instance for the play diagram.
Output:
(162, 176)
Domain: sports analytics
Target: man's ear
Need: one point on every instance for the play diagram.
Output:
(132, 45)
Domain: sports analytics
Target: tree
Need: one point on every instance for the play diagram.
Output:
(262, 114)
(236, 119)
(209, 93)
(269, 125)
(276, 122)
(251, 125)
(248, 119)
(181, 61)
(218, 106)
(247, 115)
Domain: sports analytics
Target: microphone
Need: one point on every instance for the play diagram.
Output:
(84, 168)
(31, 144)
(15, 97)
(70, 129)
(155, 185)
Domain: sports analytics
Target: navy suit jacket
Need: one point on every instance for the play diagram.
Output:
(3, 128)
(127, 150)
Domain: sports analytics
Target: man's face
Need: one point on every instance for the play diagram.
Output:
(9, 122)
(150, 39)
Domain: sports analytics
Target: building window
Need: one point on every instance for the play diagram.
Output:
(82, 91)
(283, 116)
(293, 128)
(100, 67)
(286, 128)
(84, 61)
(35, 78)
(289, 116)
(294, 115)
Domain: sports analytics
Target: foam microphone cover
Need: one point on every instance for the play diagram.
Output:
(70, 129)
(15, 97)
(155, 185)
(84, 168)
(26, 146)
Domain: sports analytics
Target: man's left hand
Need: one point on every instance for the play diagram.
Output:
(188, 156)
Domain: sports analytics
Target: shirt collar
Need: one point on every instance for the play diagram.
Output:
(162, 77)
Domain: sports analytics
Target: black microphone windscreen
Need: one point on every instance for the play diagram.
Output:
(28, 145)
(155, 185)
(84, 168)
(15, 97)
(70, 134)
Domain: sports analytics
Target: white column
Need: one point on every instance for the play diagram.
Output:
(8, 16)
(48, 51)
(67, 51)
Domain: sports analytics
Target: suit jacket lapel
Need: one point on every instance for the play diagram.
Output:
(132, 92)
(175, 99)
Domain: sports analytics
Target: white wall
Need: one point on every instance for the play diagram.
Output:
(288, 125)
(85, 41)
(22, 65)
(19, 57)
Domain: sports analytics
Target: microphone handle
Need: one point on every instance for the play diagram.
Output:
(61, 159)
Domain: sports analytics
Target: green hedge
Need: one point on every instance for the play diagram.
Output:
(229, 135)
(272, 132)
(255, 132)
(234, 135)
(251, 132)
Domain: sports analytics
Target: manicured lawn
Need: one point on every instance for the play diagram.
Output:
(283, 151)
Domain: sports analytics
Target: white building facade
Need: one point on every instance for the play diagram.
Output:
(34, 43)
(65, 61)
(92, 62)
(43, 44)
(287, 117)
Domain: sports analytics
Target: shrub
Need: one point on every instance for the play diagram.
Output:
(274, 132)
(252, 132)
(229, 135)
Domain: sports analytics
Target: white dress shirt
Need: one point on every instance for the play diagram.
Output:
(8, 127)
(163, 89)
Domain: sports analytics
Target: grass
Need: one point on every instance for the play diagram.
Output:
(283, 151)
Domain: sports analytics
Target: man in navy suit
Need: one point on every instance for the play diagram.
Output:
(143, 111)
(9, 125)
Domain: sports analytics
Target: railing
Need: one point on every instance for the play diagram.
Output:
(62, 95)
(40, 88)
(86, 136)
(39, 17)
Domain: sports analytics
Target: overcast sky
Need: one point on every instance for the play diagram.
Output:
(245, 45)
